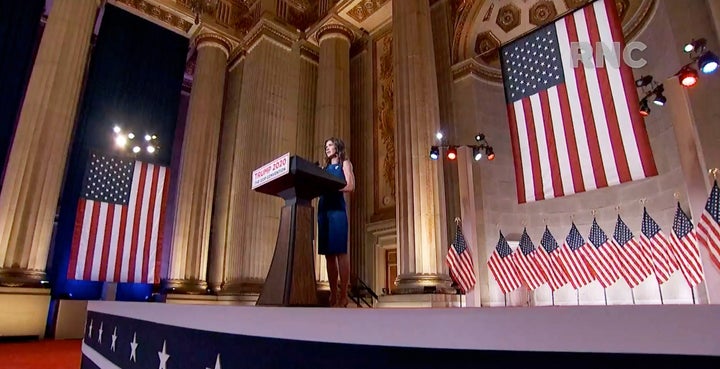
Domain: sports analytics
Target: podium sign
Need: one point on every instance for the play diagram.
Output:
(291, 278)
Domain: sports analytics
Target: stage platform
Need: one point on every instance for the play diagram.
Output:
(167, 336)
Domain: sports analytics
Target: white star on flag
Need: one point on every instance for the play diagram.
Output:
(163, 358)
(133, 348)
(114, 338)
(100, 333)
(90, 329)
(217, 363)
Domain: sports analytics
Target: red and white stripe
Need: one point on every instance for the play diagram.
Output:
(528, 269)
(575, 266)
(461, 267)
(504, 272)
(550, 266)
(634, 265)
(603, 261)
(660, 254)
(688, 256)
(122, 243)
(585, 133)
(709, 234)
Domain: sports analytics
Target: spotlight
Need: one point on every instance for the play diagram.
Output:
(434, 153)
(439, 135)
(660, 99)
(148, 138)
(694, 44)
(452, 153)
(136, 149)
(688, 76)
(477, 154)
(151, 149)
(644, 108)
(131, 135)
(121, 140)
(708, 62)
(489, 153)
(116, 129)
(479, 137)
(644, 81)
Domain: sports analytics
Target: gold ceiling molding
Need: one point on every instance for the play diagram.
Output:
(167, 17)
(473, 68)
(271, 30)
(335, 28)
(365, 9)
(214, 39)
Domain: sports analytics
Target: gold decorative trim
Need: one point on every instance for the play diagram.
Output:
(641, 19)
(241, 288)
(310, 53)
(335, 28)
(460, 18)
(213, 39)
(184, 286)
(472, 67)
(17, 277)
(156, 12)
(235, 57)
(271, 30)
(365, 9)
(423, 284)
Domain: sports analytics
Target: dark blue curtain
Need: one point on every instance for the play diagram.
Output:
(19, 36)
(134, 81)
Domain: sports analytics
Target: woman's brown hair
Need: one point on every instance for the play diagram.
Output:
(339, 146)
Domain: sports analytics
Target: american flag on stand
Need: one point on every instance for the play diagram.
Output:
(574, 127)
(602, 256)
(634, 265)
(657, 246)
(460, 262)
(528, 268)
(550, 260)
(502, 267)
(685, 247)
(709, 225)
(119, 221)
(573, 262)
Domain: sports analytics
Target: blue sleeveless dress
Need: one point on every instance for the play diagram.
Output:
(332, 218)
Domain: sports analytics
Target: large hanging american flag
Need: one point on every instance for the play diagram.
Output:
(573, 129)
(119, 221)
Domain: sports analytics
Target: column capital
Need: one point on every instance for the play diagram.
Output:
(473, 68)
(212, 39)
(334, 29)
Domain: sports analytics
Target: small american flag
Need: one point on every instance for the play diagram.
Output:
(634, 265)
(658, 247)
(527, 267)
(550, 260)
(601, 256)
(572, 260)
(574, 126)
(709, 225)
(502, 267)
(684, 246)
(460, 262)
(119, 221)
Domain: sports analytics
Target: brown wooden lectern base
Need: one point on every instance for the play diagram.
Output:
(291, 278)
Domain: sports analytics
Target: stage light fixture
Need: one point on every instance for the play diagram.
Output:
(439, 135)
(688, 76)
(694, 44)
(660, 99)
(136, 149)
(121, 140)
(452, 153)
(708, 62)
(434, 152)
(477, 154)
(644, 81)
(489, 153)
(644, 108)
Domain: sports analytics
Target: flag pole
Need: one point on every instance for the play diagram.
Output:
(632, 294)
(661, 296)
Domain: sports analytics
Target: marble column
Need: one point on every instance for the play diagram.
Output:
(36, 165)
(222, 241)
(420, 212)
(267, 128)
(196, 180)
(332, 109)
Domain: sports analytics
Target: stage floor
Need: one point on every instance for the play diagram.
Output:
(158, 335)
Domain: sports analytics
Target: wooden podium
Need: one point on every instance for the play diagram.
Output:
(291, 278)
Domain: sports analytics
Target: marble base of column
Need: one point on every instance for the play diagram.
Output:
(16, 277)
(185, 286)
(424, 283)
(242, 288)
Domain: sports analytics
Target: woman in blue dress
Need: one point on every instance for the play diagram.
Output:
(333, 222)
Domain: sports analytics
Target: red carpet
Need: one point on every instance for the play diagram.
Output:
(45, 354)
